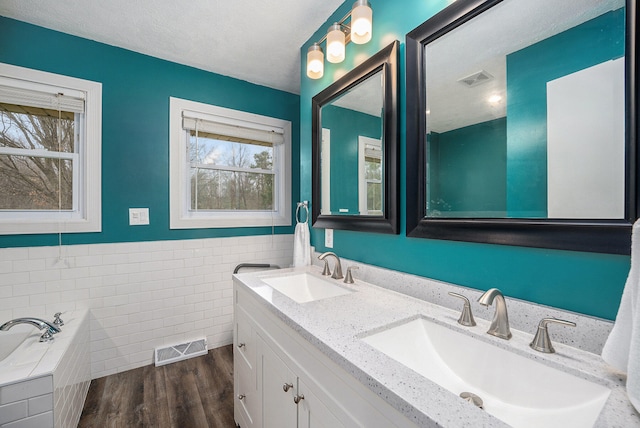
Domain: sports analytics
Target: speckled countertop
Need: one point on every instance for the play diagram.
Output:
(335, 326)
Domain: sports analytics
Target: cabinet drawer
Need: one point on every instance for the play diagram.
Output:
(246, 398)
(245, 343)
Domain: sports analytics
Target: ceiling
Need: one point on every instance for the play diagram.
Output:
(365, 97)
(254, 40)
(482, 44)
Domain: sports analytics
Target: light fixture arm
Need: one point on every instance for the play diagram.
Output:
(345, 29)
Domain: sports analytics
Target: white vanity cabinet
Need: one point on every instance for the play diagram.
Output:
(287, 401)
(312, 411)
(274, 366)
(279, 387)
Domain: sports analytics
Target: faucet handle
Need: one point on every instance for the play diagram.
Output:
(58, 321)
(541, 342)
(349, 277)
(466, 317)
(326, 271)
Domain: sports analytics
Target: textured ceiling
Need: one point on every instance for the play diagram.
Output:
(482, 44)
(254, 40)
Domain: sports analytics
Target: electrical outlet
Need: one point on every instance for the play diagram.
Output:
(138, 216)
(328, 238)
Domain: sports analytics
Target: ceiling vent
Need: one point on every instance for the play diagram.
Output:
(475, 79)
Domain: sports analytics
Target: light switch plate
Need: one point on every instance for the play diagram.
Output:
(328, 238)
(138, 216)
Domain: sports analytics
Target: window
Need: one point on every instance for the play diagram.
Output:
(228, 168)
(370, 175)
(50, 149)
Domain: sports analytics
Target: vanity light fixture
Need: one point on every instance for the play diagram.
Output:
(361, 22)
(315, 61)
(339, 34)
(335, 44)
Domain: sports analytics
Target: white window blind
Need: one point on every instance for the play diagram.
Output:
(46, 100)
(244, 133)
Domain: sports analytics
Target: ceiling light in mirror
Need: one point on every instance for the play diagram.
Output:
(494, 99)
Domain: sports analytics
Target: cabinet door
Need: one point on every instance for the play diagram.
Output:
(279, 386)
(312, 412)
(245, 337)
(246, 404)
(247, 397)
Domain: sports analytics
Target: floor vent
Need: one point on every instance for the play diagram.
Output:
(172, 353)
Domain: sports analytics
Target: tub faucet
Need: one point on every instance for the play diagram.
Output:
(49, 328)
(337, 270)
(500, 324)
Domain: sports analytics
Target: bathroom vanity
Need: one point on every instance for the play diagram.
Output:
(281, 379)
(312, 351)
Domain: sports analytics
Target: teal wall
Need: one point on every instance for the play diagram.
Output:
(528, 71)
(468, 170)
(135, 126)
(588, 283)
(346, 125)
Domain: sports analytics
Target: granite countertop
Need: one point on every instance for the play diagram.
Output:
(335, 325)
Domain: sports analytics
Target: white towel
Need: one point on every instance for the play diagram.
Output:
(301, 245)
(622, 349)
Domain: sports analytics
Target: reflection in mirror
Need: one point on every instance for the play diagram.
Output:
(351, 152)
(355, 147)
(525, 113)
(522, 124)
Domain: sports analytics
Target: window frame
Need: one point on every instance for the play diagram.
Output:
(180, 215)
(86, 215)
(363, 181)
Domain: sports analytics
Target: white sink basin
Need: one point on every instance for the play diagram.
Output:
(515, 389)
(304, 287)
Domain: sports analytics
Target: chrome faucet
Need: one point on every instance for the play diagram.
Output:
(500, 324)
(49, 328)
(337, 270)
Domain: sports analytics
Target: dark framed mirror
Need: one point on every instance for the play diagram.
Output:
(355, 148)
(522, 124)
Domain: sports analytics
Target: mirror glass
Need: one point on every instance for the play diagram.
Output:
(355, 148)
(522, 124)
(525, 113)
(351, 152)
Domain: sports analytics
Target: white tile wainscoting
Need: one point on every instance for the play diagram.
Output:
(140, 295)
(27, 404)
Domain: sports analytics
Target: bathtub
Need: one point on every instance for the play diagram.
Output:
(44, 384)
(10, 340)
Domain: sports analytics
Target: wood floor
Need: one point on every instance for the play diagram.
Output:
(193, 393)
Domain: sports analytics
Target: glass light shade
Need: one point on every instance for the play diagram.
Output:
(361, 22)
(315, 61)
(335, 44)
